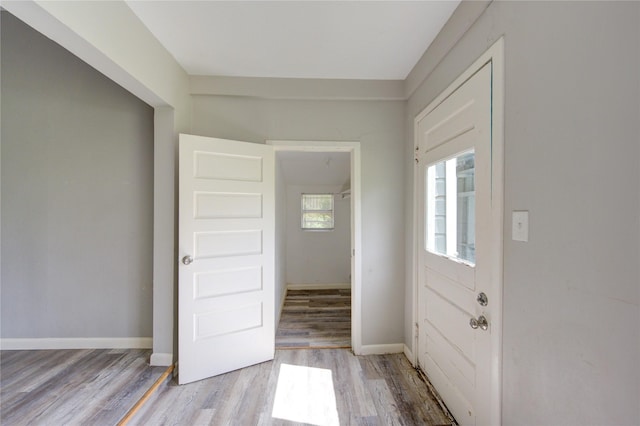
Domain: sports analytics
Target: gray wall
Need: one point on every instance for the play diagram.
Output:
(379, 128)
(572, 132)
(318, 257)
(77, 196)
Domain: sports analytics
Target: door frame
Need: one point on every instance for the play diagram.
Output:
(356, 220)
(494, 55)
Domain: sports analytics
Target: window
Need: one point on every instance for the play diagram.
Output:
(317, 211)
(451, 208)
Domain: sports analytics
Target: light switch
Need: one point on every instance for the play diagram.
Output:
(520, 226)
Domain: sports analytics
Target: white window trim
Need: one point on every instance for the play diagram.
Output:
(303, 211)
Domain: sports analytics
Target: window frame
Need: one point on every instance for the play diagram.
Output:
(303, 211)
(451, 197)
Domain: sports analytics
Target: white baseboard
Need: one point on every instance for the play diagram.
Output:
(409, 355)
(77, 343)
(394, 348)
(312, 286)
(159, 359)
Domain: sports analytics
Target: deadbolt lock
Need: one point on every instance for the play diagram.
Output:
(482, 299)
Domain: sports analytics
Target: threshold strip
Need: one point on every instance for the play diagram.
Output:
(145, 397)
(290, 348)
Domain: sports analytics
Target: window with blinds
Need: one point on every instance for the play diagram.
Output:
(317, 212)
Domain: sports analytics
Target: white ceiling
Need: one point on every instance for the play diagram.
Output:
(370, 40)
(331, 39)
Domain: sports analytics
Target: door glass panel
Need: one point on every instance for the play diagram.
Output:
(450, 219)
(466, 220)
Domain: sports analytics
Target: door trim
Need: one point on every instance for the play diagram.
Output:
(494, 55)
(356, 221)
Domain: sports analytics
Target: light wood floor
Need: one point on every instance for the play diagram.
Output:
(369, 390)
(98, 387)
(314, 319)
(72, 387)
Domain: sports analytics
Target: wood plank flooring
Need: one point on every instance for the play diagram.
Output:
(72, 387)
(98, 387)
(314, 319)
(368, 390)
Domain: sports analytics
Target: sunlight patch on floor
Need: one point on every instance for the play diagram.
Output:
(305, 394)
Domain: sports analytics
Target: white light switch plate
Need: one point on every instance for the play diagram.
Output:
(520, 226)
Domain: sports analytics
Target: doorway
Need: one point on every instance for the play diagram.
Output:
(334, 169)
(228, 277)
(314, 249)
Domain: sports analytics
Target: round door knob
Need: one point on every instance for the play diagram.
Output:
(473, 323)
(480, 322)
(187, 260)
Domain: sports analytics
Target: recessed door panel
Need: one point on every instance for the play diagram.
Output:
(227, 281)
(229, 320)
(450, 321)
(227, 243)
(219, 166)
(214, 205)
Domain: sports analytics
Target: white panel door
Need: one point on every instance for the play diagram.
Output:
(226, 256)
(455, 261)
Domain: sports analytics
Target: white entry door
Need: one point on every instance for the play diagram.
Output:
(226, 256)
(456, 260)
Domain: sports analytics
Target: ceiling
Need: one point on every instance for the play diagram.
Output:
(369, 40)
(331, 39)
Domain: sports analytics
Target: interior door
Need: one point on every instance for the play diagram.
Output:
(226, 256)
(455, 261)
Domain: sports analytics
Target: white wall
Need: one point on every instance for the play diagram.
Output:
(572, 293)
(378, 125)
(318, 257)
(77, 196)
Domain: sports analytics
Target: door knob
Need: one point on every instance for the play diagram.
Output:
(187, 260)
(480, 322)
